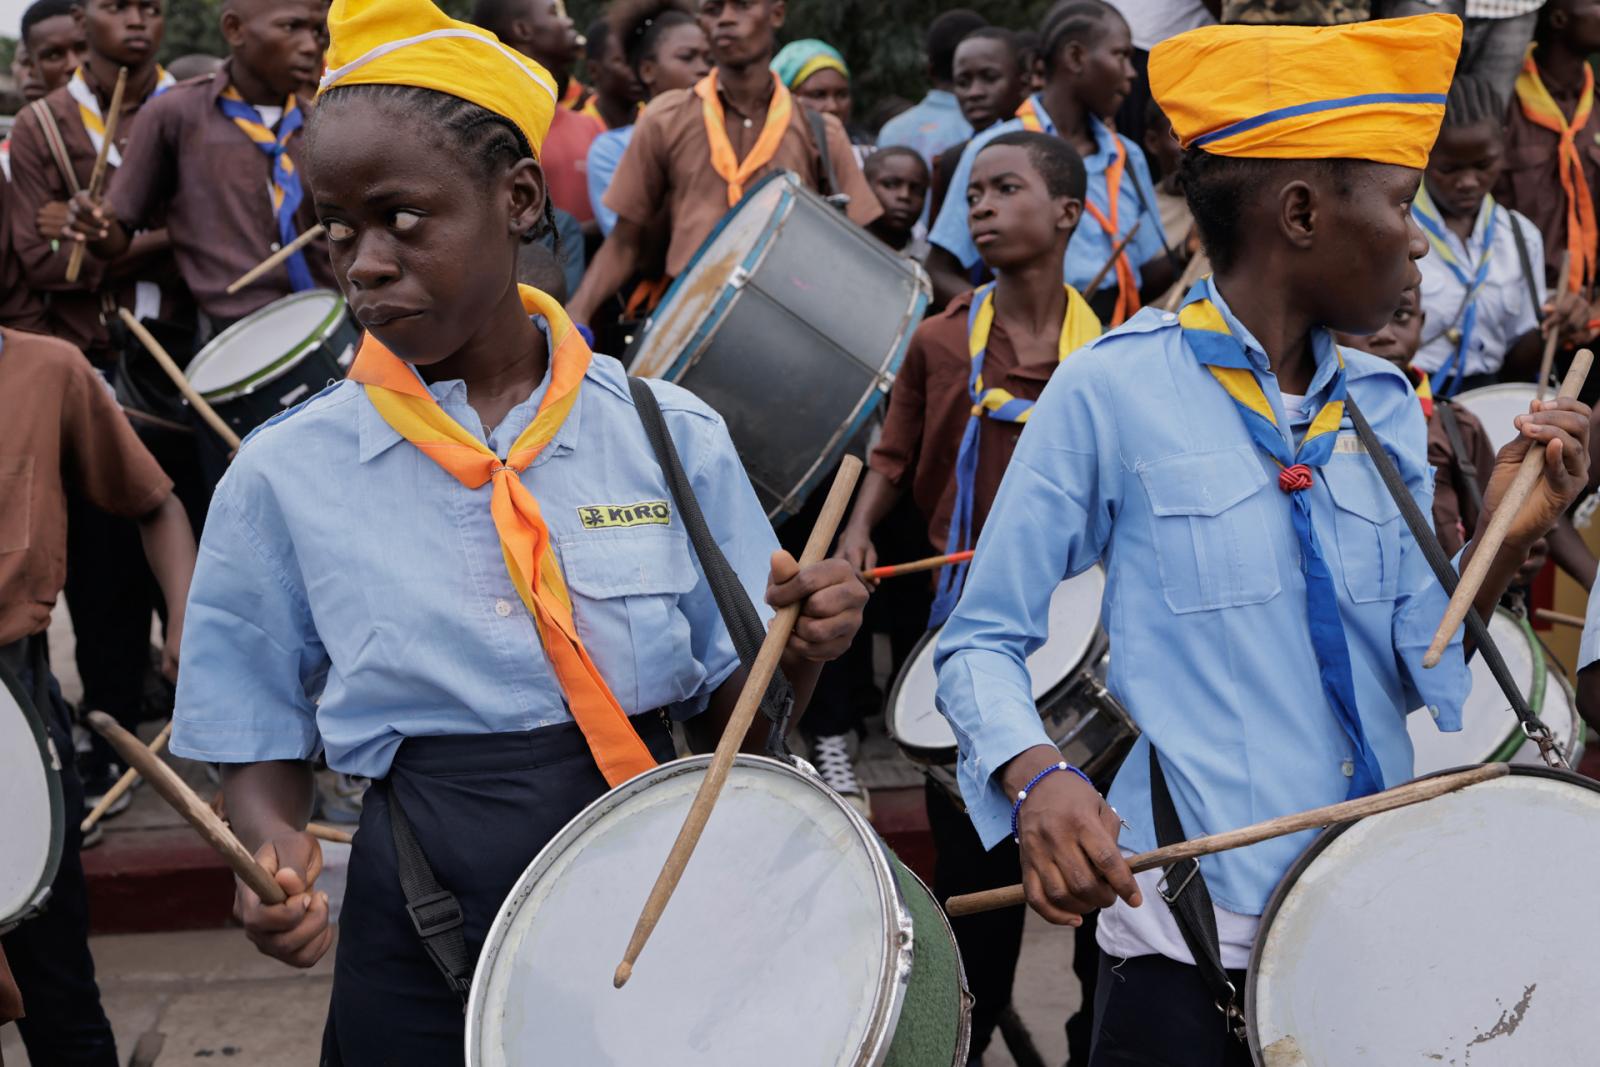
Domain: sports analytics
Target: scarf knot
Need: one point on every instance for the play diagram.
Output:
(1295, 479)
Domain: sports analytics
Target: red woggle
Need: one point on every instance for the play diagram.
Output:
(1294, 479)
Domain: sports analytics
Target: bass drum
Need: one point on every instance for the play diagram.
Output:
(790, 321)
(33, 828)
(1373, 948)
(795, 939)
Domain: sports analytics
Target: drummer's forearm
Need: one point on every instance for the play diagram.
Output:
(267, 799)
(169, 548)
(132, 260)
(1571, 554)
(707, 729)
(613, 265)
(876, 499)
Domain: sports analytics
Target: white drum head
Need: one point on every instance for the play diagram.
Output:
(1460, 930)
(1487, 721)
(258, 341)
(704, 282)
(1074, 621)
(778, 948)
(30, 796)
(1496, 406)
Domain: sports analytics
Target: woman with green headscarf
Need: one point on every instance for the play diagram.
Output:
(817, 75)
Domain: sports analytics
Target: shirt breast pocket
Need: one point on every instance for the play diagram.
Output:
(1210, 530)
(1367, 526)
(625, 587)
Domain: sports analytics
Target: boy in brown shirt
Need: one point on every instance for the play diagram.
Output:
(673, 181)
(64, 432)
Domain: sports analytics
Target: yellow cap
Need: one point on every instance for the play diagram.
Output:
(412, 42)
(1368, 90)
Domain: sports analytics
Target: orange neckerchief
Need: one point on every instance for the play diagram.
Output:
(1541, 109)
(1030, 116)
(574, 96)
(1127, 288)
(406, 405)
(732, 170)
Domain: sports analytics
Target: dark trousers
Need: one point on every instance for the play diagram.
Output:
(1154, 1012)
(481, 808)
(49, 953)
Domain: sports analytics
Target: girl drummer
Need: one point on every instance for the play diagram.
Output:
(459, 572)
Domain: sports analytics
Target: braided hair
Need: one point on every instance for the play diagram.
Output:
(639, 25)
(1083, 21)
(1473, 99)
(491, 143)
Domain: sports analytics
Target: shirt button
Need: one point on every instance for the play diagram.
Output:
(1433, 711)
(275, 246)
(1348, 768)
(502, 608)
(1168, 317)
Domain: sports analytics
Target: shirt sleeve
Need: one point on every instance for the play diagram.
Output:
(639, 186)
(864, 208)
(604, 155)
(1589, 643)
(251, 655)
(35, 183)
(1447, 522)
(900, 442)
(1051, 520)
(108, 463)
(148, 175)
(740, 527)
(950, 230)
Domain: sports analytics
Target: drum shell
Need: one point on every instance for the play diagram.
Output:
(43, 750)
(901, 970)
(306, 367)
(777, 354)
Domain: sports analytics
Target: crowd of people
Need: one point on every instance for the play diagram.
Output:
(1081, 193)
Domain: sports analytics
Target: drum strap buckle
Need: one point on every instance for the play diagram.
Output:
(429, 920)
(1171, 895)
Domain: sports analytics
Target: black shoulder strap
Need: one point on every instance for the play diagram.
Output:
(435, 912)
(1183, 887)
(1433, 551)
(819, 133)
(738, 613)
(1525, 261)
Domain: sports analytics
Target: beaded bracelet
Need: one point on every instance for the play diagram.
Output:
(1016, 809)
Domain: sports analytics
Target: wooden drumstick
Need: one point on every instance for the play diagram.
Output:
(124, 783)
(187, 803)
(97, 176)
(744, 713)
(1116, 250)
(1550, 343)
(1483, 555)
(932, 563)
(324, 832)
(1345, 811)
(277, 257)
(1559, 618)
(168, 364)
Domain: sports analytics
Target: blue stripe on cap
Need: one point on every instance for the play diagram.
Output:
(1318, 105)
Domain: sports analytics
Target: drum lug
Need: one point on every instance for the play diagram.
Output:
(739, 277)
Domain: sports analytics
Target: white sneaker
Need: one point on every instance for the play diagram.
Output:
(830, 754)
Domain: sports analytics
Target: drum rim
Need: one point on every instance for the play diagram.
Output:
(964, 1019)
(1541, 683)
(916, 753)
(898, 942)
(283, 364)
(1320, 844)
(58, 814)
(1557, 670)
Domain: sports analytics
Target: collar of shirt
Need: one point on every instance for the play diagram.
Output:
(1322, 351)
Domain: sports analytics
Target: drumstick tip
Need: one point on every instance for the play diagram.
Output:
(624, 972)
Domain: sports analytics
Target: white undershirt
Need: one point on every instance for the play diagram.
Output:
(269, 115)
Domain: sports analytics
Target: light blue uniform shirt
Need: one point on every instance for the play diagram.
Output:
(1135, 457)
(930, 126)
(350, 593)
(605, 153)
(1090, 246)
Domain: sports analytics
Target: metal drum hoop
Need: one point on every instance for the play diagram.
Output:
(283, 364)
(52, 763)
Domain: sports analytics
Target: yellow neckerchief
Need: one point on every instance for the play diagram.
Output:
(729, 167)
(94, 123)
(406, 405)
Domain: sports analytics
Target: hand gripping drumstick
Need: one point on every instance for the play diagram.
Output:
(932, 563)
(207, 823)
(1495, 535)
(277, 257)
(1345, 811)
(124, 783)
(196, 401)
(1549, 357)
(744, 713)
(98, 175)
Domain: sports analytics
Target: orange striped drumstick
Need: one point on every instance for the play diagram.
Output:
(932, 563)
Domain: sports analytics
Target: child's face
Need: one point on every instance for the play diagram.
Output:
(1577, 22)
(989, 82)
(1013, 218)
(277, 40)
(1162, 144)
(1101, 74)
(901, 184)
(1356, 241)
(56, 47)
(124, 31)
(682, 58)
(413, 226)
(1399, 340)
(741, 31)
(826, 92)
(1463, 167)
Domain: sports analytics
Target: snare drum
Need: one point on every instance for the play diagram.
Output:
(1067, 671)
(275, 358)
(33, 828)
(1496, 406)
(1373, 948)
(790, 321)
(1490, 730)
(794, 939)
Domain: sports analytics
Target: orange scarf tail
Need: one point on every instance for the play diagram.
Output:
(1541, 109)
(1127, 289)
